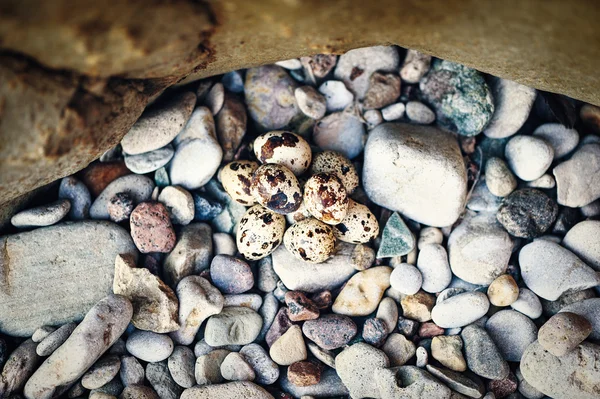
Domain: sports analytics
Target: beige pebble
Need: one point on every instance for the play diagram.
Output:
(447, 349)
(289, 348)
(362, 293)
(503, 291)
(418, 307)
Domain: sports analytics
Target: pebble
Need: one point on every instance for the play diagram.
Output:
(469, 385)
(19, 367)
(460, 97)
(131, 371)
(384, 89)
(398, 349)
(525, 388)
(342, 132)
(330, 331)
(512, 103)
(363, 292)
(235, 368)
(419, 113)
(191, 255)
(160, 379)
(179, 203)
(562, 139)
(589, 309)
(373, 118)
(97, 176)
(512, 332)
(396, 238)
(231, 275)
(151, 228)
(447, 349)
(358, 226)
(387, 311)
(395, 154)
(319, 65)
(481, 199)
(138, 187)
(279, 326)
(573, 375)
(149, 346)
(546, 182)
(337, 97)
(102, 372)
(300, 308)
(582, 240)
(529, 157)
(101, 327)
(45, 215)
(159, 125)
(374, 332)
(479, 250)
(252, 301)
(433, 264)
(233, 81)
(78, 195)
(289, 348)
(312, 103)
(268, 312)
(528, 303)
(422, 357)
(215, 98)
(323, 355)
(55, 339)
(231, 121)
(138, 392)
(293, 63)
(41, 333)
(149, 161)
(393, 112)
(356, 365)
(181, 365)
(363, 257)
(503, 388)
(208, 367)
(575, 178)
(269, 95)
(483, 356)
(338, 164)
(415, 66)
(223, 244)
(266, 370)
(429, 235)
(503, 291)
(498, 177)
(418, 306)
(220, 327)
(527, 213)
(120, 207)
(190, 171)
(230, 390)
(563, 332)
(305, 373)
(266, 277)
(460, 310)
(408, 327)
(550, 270)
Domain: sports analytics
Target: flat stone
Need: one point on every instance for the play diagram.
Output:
(546, 181)
(398, 349)
(529, 157)
(55, 339)
(590, 310)
(19, 367)
(464, 383)
(57, 263)
(512, 103)
(231, 275)
(448, 351)
(220, 327)
(208, 367)
(149, 161)
(78, 195)
(101, 327)
(582, 240)
(550, 270)
(179, 203)
(577, 178)
(252, 301)
(512, 333)
(160, 379)
(574, 375)
(357, 365)
(482, 354)
(154, 303)
(138, 187)
(460, 310)
(191, 255)
(231, 126)
(330, 331)
(396, 153)
(235, 368)
(159, 125)
(337, 96)
(45, 215)
(342, 132)
(527, 213)
(149, 346)
(230, 390)
(433, 264)
(151, 228)
(189, 170)
(418, 306)
(311, 102)
(384, 89)
(131, 372)
(289, 348)
(415, 66)
(396, 238)
(362, 293)
(102, 372)
(266, 370)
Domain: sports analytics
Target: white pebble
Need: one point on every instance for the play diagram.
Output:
(310, 102)
(293, 63)
(528, 303)
(422, 357)
(179, 203)
(393, 112)
(498, 177)
(44, 215)
(215, 98)
(430, 235)
(223, 244)
(433, 264)
(336, 95)
(460, 310)
(419, 113)
(149, 346)
(546, 181)
(529, 157)
(406, 279)
(373, 117)
(562, 139)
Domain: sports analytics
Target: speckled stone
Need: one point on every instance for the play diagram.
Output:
(300, 308)
(138, 187)
(330, 331)
(396, 238)
(356, 365)
(374, 332)
(305, 373)
(563, 332)
(265, 369)
(384, 89)
(482, 354)
(151, 228)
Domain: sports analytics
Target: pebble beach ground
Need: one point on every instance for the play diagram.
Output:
(378, 224)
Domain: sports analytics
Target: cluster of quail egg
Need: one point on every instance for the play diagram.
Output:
(312, 191)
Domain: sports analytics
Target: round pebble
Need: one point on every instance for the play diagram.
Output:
(419, 113)
(151, 228)
(233, 326)
(78, 195)
(179, 203)
(363, 257)
(406, 279)
(149, 161)
(374, 332)
(343, 132)
(503, 291)
(102, 372)
(448, 351)
(529, 157)
(393, 112)
(528, 303)
(266, 370)
(131, 372)
(149, 346)
(373, 118)
(181, 365)
(562, 139)
(223, 244)
(387, 311)
(231, 275)
(429, 235)
(337, 97)
(460, 310)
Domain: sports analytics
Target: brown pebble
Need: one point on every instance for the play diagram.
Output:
(280, 325)
(383, 90)
(304, 373)
(322, 299)
(300, 308)
(563, 332)
(418, 306)
(151, 228)
(504, 387)
(503, 291)
(99, 175)
(429, 330)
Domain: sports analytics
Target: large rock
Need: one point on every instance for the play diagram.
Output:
(416, 170)
(230, 390)
(54, 275)
(356, 365)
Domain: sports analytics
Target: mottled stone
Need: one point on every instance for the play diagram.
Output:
(181, 365)
(415, 66)
(330, 331)
(265, 370)
(131, 372)
(483, 357)
(231, 275)
(300, 308)
(305, 373)
(160, 379)
(374, 332)
(191, 255)
(151, 228)
(231, 126)
(396, 238)
(19, 367)
(384, 89)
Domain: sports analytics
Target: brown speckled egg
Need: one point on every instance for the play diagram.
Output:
(359, 226)
(334, 162)
(284, 148)
(325, 198)
(275, 187)
(259, 232)
(236, 178)
(310, 240)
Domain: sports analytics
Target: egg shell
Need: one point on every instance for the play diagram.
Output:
(310, 240)
(284, 148)
(359, 226)
(335, 162)
(325, 198)
(276, 188)
(236, 178)
(259, 232)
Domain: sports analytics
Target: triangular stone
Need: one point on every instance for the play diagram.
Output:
(396, 239)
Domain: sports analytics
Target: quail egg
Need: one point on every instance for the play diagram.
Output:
(334, 162)
(284, 148)
(310, 240)
(325, 198)
(236, 178)
(275, 187)
(259, 232)
(359, 226)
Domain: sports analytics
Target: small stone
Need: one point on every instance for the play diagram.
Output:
(293, 63)
(422, 357)
(151, 228)
(374, 332)
(138, 188)
(45, 215)
(149, 161)
(418, 306)
(206, 208)
(529, 157)
(576, 178)
(55, 339)
(325, 356)
(181, 365)
(356, 365)
(305, 373)
(215, 98)
(363, 257)
(419, 113)
(342, 132)
(430, 330)
(267, 278)
(499, 179)
(160, 379)
(362, 293)
(336, 95)
(230, 390)
(483, 357)
(587, 308)
(513, 103)
(223, 244)
(319, 65)
(232, 121)
(503, 291)
(289, 348)
(398, 349)
(149, 346)
(41, 333)
(415, 66)
(562, 139)
(384, 89)
(19, 367)
(265, 370)
(300, 307)
(78, 195)
(563, 332)
(527, 213)
(120, 207)
(388, 313)
(118, 348)
(98, 176)
(102, 372)
(467, 384)
(189, 170)
(131, 372)
(281, 323)
(393, 112)
(460, 96)
(481, 199)
(233, 81)
(512, 332)
(179, 203)
(528, 303)
(433, 264)
(208, 367)
(407, 327)
(252, 301)
(448, 351)
(330, 331)
(504, 387)
(396, 239)
(546, 182)
(220, 327)
(191, 255)
(373, 118)
(231, 275)
(310, 102)
(460, 310)
(235, 368)
(581, 239)
(407, 279)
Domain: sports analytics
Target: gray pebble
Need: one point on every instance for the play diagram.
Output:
(460, 310)
(512, 333)
(191, 255)
(113, 388)
(45, 215)
(118, 348)
(231, 275)
(482, 354)
(433, 264)
(482, 200)
(419, 113)
(149, 161)
(42, 333)
(102, 372)
(266, 371)
(138, 187)
(529, 157)
(223, 244)
(422, 357)
(121, 205)
(528, 303)
(149, 346)
(189, 170)
(267, 278)
(181, 365)
(235, 368)
(337, 96)
(220, 328)
(78, 195)
(373, 118)
(215, 98)
(342, 132)
(576, 177)
(233, 81)
(582, 240)
(159, 377)
(267, 311)
(179, 203)
(131, 372)
(55, 339)
(206, 208)
(208, 367)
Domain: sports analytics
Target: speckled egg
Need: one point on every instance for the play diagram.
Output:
(236, 178)
(259, 232)
(359, 226)
(334, 162)
(325, 198)
(284, 148)
(275, 187)
(310, 240)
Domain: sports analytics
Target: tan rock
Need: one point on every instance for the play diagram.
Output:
(447, 349)
(362, 293)
(398, 349)
(289, 348)
(418, 307)
(503, 291)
